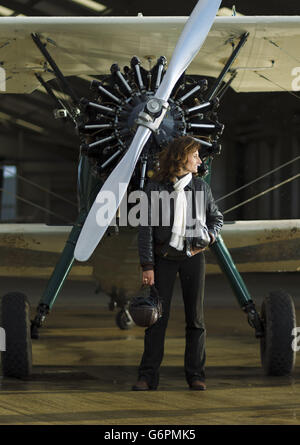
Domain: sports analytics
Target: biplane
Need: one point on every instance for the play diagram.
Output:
(123, 123)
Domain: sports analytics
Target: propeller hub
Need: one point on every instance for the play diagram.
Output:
(154, 106)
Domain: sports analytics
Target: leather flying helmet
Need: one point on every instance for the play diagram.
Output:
(145, 309)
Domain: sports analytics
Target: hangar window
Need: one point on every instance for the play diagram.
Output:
(8, 193)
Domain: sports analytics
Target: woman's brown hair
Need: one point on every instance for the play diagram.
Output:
(174, 157)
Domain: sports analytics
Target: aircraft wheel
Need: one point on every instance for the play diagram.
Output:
(279, 319)
(124, 320)
(15, 320)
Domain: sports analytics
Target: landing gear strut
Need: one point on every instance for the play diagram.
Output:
(273, 326)
(42, 311)
(123, 317)
(124, 320)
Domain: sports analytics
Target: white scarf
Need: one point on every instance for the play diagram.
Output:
(178, 229)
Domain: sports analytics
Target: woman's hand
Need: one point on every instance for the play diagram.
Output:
(212, 238)
(148, 277)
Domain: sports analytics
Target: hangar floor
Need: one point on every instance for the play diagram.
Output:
(84, 365)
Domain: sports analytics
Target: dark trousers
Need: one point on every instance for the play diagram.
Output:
(192, 277)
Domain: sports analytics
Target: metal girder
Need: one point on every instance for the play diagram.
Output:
(153, 8)
(65, 140)
(22, 8)
(64, 7)
(47, 123)
(80, 10)
(70, 8)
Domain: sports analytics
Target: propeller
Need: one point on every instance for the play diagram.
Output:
(113, 190)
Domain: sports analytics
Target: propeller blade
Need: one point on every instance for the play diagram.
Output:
(114, 188)
(192, 37)
(109, 198)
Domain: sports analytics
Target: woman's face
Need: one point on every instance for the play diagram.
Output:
(193, 162)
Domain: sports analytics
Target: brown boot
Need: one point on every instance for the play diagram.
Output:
(141, 385)
(198, 385)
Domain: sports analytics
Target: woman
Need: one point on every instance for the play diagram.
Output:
(166, 249)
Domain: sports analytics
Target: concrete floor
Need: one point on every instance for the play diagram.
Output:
(84, 365)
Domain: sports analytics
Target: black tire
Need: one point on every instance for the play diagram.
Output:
(124, 320)
(16, 361)
(279, 319)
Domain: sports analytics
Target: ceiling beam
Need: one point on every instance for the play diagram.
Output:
(151, 8)
(74, 9)
(22, 8)
(42, 111)
(57, 134)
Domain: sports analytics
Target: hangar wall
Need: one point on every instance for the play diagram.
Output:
(261, 133)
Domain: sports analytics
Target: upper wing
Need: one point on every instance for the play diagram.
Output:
(89, 45)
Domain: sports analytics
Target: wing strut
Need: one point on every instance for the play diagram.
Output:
(55, 68)
(57, 101)
(216, 86)
(225, 87)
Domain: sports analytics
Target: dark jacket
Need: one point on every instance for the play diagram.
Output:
(157, 237)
